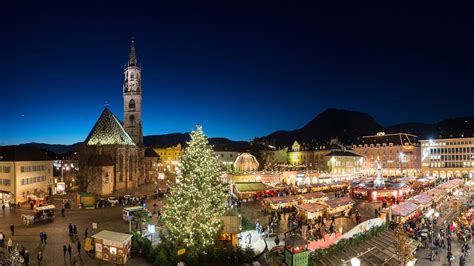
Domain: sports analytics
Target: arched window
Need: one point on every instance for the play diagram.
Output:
(131, 104)
(132, 120)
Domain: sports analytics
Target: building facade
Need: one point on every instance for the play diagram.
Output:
(226, 159)
(308, 157)
(25, 173)
(398, 154)
(446, 158)
(344, 163)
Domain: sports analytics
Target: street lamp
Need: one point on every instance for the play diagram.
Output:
(355, 262)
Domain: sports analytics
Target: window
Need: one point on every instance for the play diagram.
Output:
(132, 76)
(132, 120)
(131, 104)
(4, 169)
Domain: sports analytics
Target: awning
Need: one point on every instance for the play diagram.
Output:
(334, 203)
(251, 187)
(404, 209)
(312, 207)
(112, 236)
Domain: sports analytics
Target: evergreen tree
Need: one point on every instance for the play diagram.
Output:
(197, 200)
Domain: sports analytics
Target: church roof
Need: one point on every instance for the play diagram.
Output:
(108, 130)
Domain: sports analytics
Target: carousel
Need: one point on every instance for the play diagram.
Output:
(379, 189)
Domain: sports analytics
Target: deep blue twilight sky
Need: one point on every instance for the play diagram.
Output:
(241, 70)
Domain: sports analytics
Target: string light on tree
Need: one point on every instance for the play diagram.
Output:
(197, 200)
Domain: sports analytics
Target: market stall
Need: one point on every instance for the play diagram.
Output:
(250, 190)
(312, 210)
(112, 246)
(339, 206)
(424, 201)
(86, 200)
(403, 212)
(313, 197)
(276, 202)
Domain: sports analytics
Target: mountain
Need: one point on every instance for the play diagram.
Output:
(174, 139)
(332, 123)
(345, 125)
(452, 127)
(54, 148)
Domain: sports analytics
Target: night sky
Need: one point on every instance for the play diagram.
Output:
(241, 70)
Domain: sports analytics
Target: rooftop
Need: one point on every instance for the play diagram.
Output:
(395, 138)
(112, 236)
(22, 153)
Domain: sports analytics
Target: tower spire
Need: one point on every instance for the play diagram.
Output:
(132, 58)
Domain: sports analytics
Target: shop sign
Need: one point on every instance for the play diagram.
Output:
(181, 251)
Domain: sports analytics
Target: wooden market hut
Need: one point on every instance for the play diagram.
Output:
(313, 197)
(112, 246)
(404, 211)
(276, 202)
(339, 206)
(312, 210)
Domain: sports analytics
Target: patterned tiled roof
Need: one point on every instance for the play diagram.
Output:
(108, 130)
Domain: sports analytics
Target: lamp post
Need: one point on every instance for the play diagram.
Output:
(355, 262)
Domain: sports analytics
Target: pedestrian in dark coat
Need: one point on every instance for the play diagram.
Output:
(45, 236)
(62, 211)
(26, 257)
(12, 229)
(41, 237)
(85, 234)
(39, 257)
(79, 247)
(64, 251)
(69, 250)
(75, 230)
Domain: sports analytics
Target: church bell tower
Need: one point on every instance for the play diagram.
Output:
(132, 98)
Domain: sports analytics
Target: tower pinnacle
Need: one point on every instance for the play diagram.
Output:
(132, 58)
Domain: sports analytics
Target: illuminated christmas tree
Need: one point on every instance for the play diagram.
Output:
(197, 201)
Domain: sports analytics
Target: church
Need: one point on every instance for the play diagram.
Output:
(113, 158)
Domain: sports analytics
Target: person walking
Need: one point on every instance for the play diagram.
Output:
(449, 243)
(450, 257)
(462, 261)
(10, 245)
(45, 236)
(41, 237)
(64, 251)
(62, 211)
(26, 258)
(12, 229)
(39, 257)
(79, 248)
(70, 229)
(75, 230)
(69, 250)
(85, 233)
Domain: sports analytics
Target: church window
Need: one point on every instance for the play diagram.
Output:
(132, 77)
(132, 120)
(131, 104)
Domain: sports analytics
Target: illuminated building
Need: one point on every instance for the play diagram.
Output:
(25, 172)
(112, 157)
(169, 154)
(310, 158)
(453, 157)
(344, 162)
(226, 158)
(399, 154)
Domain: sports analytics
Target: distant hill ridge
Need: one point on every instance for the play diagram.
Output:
(345, 125)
